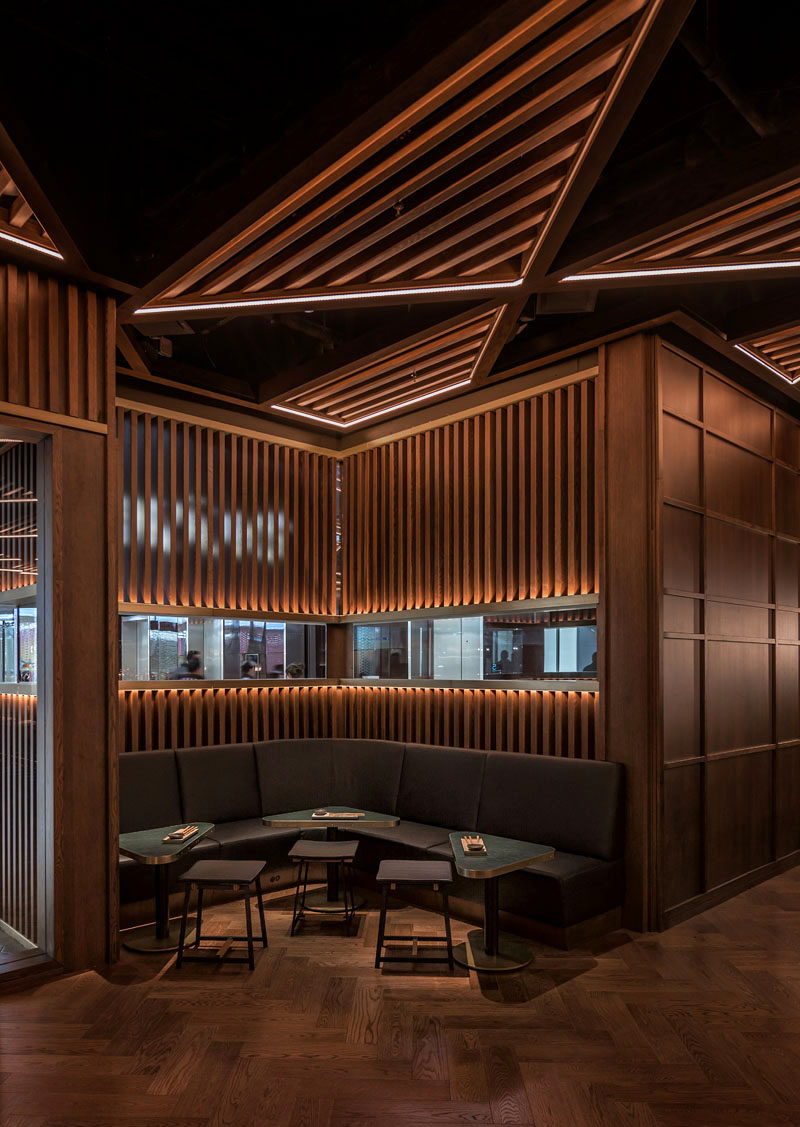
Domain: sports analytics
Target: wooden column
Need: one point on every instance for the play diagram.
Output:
(629, 655)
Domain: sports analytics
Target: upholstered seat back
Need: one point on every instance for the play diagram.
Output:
(441, 786)
(218, 784)
(574, 805)
(148, 791)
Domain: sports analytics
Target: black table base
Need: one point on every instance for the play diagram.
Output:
(155, 937)
(487, 950)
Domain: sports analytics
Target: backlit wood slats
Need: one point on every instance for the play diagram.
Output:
(18, 816)
(17, 219)
(423, 367)
(454, 187)
(56, 346)
(217, 519)
(762, 228)
(779, 350)
(494, 507)
(540, 723)
(18, 515)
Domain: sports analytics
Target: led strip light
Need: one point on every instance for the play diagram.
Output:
(30, 245)
(766, 364)
(359, 295)
(373, 414)
(666, 271)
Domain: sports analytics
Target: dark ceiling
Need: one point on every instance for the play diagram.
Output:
(147, 134)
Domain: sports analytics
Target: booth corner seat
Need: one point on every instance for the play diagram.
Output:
(574, 805)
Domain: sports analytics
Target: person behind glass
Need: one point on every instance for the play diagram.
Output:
(192, 668)
(505, 664)
(248, 671)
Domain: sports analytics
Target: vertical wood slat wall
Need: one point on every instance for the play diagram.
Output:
(730, 495)
(18, 815)
(57, 345)
(494, 507)
(544, 723)
(216, 519)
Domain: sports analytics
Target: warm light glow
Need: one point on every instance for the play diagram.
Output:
(766, 364)
(373, 414)
(664, 271)
(466, 287)
(29, 245)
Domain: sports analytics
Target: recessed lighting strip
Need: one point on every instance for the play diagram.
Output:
(30, 245)
(766, 364)
(666, 271)
(373, 414)
(358, 295)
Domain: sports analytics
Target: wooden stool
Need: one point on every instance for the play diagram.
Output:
(304, 853)
(436, 875)
(240, 876)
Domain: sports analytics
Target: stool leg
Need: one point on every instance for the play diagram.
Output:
(296, 899)
(381, 928)
(199, 916)
(248, 919)
(446, 907)
(182, 938)
(264, 942)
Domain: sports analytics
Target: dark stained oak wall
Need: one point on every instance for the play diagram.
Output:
(217, 519)
(497, 506)
(545, 723)
(730, 486)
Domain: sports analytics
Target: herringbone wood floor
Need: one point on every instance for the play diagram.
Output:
(698, 1026)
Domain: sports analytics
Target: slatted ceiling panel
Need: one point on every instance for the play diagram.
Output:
(495, 507)
(540, 723)
(779, 349)
(56, 345)
(224, 520)
(455, 186)
(422, 365)
(766, 227)
(16, 215)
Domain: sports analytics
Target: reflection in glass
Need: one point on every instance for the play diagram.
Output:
(517, 646)
(201, 647)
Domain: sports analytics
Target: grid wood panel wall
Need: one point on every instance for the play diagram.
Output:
(494, 507)
(56, 346)
(216, 519)
(18, 516)
(18, 815)
(731, 634)
(543, 723)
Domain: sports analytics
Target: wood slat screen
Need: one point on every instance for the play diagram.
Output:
(779, 350)
(494, 507)
(56, 346)
(543, 723)
(18, 816)
(216, 519)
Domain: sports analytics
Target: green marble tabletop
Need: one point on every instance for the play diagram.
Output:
(503, 855)
(147, 846)
(301, 819)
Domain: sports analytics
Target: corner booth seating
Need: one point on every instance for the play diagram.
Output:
(574, 805)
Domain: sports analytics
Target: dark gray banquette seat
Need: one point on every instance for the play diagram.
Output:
(573, 805)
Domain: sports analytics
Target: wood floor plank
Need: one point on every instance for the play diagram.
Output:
(696, 1027)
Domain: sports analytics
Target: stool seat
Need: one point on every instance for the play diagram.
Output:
(239, 875)
(223, 872)
(311, 850)
(415, 872)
